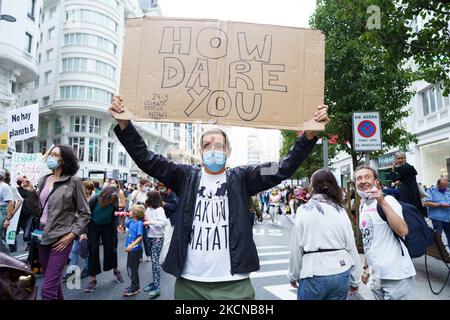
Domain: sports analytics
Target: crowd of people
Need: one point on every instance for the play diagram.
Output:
(196, 221)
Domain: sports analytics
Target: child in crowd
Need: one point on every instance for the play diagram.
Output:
(133, 246)
(156, 221)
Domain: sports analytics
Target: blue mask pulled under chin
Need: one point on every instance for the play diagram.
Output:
(214, 161)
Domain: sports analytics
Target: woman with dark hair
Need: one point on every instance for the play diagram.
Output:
(64, 215)
(122, 199)
(156, 221)
(324, 262)
(103, 224)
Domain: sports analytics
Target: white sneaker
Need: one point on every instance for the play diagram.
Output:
(149, 259)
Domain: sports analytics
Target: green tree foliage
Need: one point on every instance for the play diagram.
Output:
(312, 163)
(416, 30)
(361, 75)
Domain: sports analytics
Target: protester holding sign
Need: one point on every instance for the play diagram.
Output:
(215, 263)
(64, 215)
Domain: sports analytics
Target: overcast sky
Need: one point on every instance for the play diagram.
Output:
(293, 13)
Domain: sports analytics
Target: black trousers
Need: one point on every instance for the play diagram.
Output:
(133, 268)
(107, 234)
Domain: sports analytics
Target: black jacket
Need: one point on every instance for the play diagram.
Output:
(242, 182)
(170, 206)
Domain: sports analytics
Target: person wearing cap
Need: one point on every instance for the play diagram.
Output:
(212, 251)
(6, 215)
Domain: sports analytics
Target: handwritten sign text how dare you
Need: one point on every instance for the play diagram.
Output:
(230, 73)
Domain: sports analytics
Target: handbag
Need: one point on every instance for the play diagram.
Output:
(17, 282)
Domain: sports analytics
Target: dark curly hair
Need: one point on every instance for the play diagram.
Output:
(324, 182)
(70, 164)
(153, 199)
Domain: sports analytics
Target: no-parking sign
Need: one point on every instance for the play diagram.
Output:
(366, 131)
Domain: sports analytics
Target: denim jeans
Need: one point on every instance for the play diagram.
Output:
(334, 287)
(74, 255)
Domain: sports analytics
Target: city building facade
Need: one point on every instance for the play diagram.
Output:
(79, 56)
(19, 44)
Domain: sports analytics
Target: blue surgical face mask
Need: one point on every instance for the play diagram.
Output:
(214, 161)
(52, 163)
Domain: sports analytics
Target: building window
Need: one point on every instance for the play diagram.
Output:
(51, 33)
(433, 100)
(19, 146)
(85, 93)
(50, 54)
(52, 12)
(42, 19)
(43, 146)
(89, 40)
(104, 69)
(56, 141)
(43, 128)
(74, 64)
(110, 152)
(122, 159)
(36, 82)
(89, 16)
(78, 123)
(46, 101)
(77, 146)
(58, 126)
(47, 76)
(94, 150)
(31, 8)
(111, 132)
(34, 101)
(30, 147)
(39, 58)
(94, 125)
(28, 42)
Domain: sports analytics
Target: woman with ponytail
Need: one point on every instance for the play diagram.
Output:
(324, 262)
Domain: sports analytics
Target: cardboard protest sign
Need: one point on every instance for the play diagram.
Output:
(23, 123)
(230, 73)
(28, 164)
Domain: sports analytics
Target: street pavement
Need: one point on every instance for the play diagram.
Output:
(270, 282)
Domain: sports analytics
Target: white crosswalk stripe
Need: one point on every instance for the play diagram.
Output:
(268, 262)
(270, 247)
(277, 253)
(274, 265)
(21, 256)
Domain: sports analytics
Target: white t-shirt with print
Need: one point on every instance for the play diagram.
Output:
(208, 254)
(382, 249)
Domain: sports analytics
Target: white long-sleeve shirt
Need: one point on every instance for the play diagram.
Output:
(314, 230)
(158, 222)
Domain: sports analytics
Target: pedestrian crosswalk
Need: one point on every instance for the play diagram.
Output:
(274, 260)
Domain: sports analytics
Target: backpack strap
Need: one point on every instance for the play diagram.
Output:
(383, 216)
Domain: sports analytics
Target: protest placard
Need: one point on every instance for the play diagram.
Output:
(28, 164)
(230, 73)
(23, 122)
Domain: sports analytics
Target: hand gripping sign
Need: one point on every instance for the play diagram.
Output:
(210, 71)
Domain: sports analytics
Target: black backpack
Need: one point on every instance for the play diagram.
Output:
(420, 235)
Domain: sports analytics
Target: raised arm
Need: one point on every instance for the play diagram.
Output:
(151, 163)
(268, 175)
